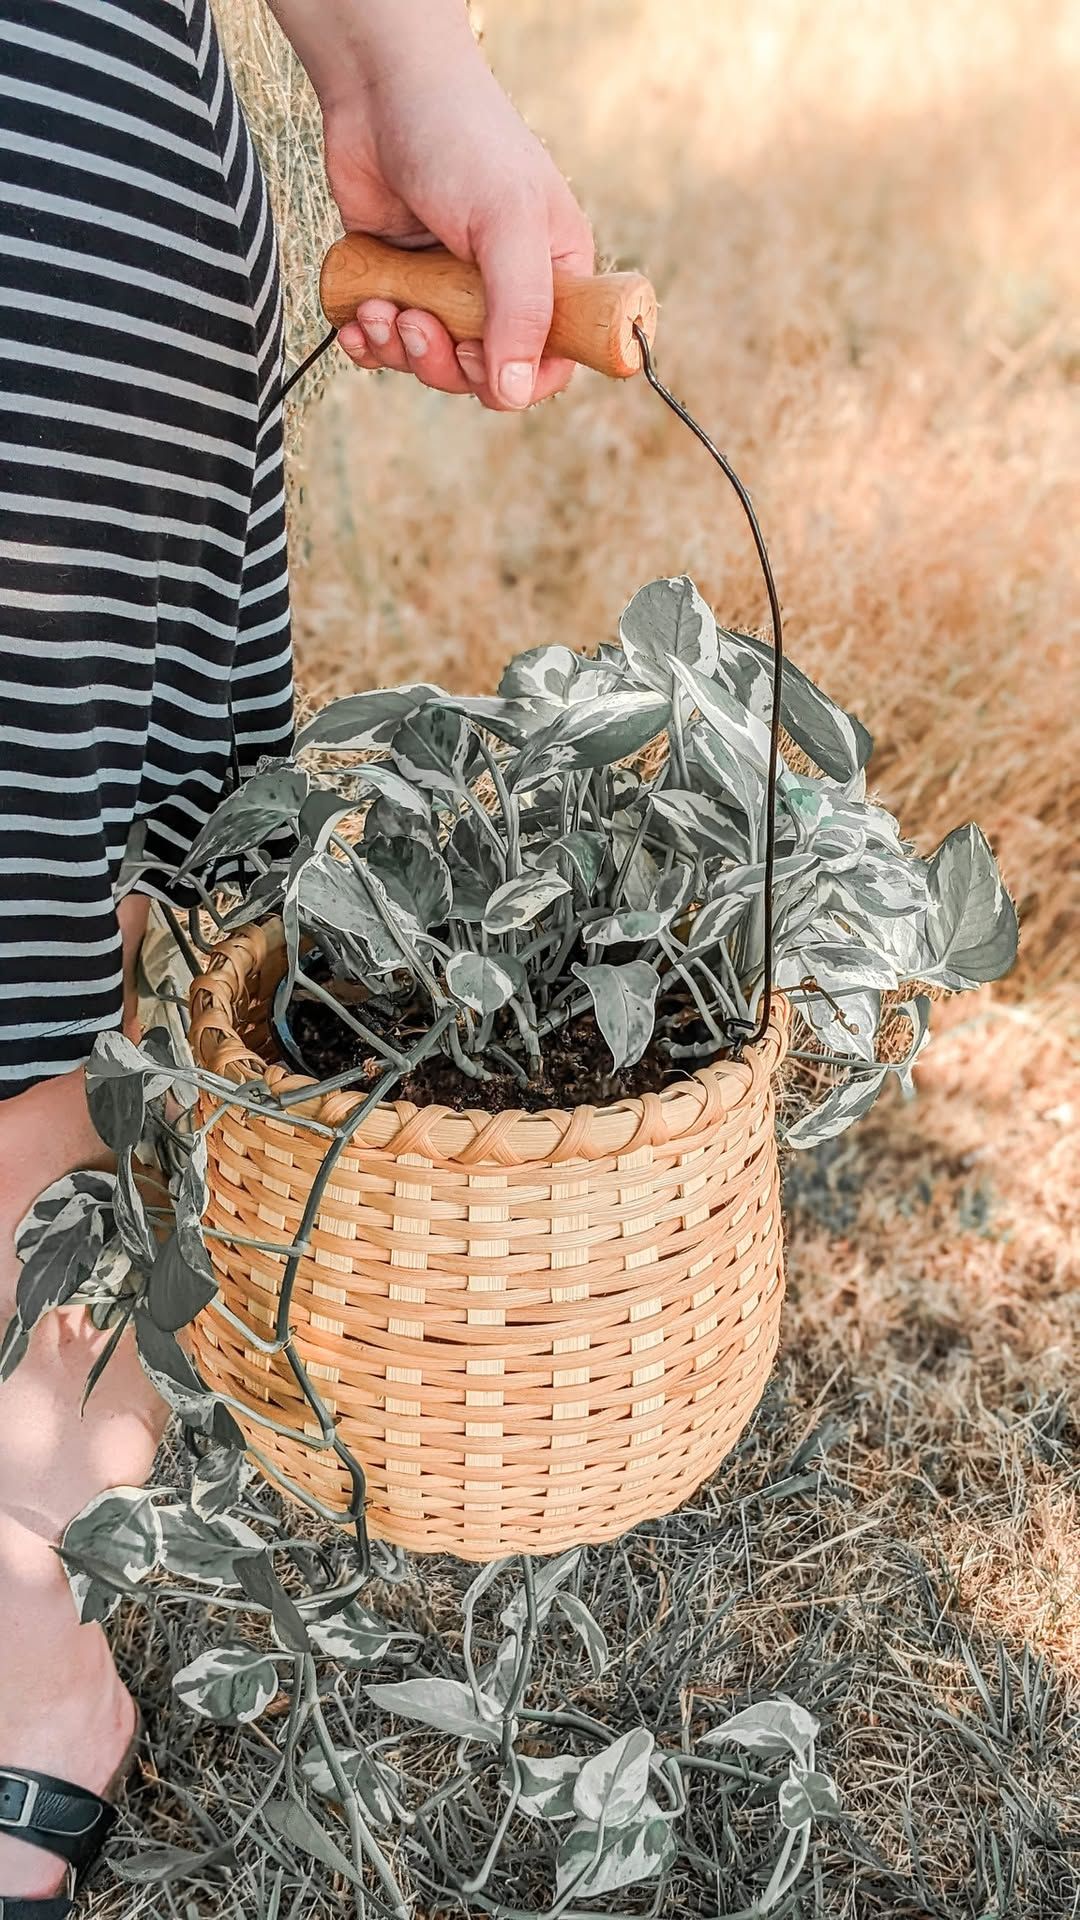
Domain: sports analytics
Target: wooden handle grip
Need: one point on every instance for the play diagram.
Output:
(592, 322)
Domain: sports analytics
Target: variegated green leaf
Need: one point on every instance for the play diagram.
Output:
(231, 1684)
(624, 1001)
(415, 875)
(431, 749)
(612, 1784)
(548, 1786)
(480, 981)
(266, 803)
(628, 923)
(971, 925)
(577, 856)
(446, 1705)
(373, 1782)
(639, 1850)
(771, 1726)
(593, 734)
(807, 1796)
(841, 1107)
(119, 1531)
(587, 1629)
(743, 732)
(364, 720)
(665, 624)
(701, 826)
(523, 900)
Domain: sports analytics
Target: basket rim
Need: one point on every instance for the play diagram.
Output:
(513, 1137)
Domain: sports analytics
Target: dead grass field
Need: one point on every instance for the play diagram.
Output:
(858, 219)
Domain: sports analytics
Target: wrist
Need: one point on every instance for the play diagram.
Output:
(350, 48)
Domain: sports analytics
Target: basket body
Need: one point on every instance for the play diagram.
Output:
(534, 1330)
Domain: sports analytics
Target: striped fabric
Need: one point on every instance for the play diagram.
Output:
(143, 587)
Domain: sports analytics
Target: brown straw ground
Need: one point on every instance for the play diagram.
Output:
(858, 221)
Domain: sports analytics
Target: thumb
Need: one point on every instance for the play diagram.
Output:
(513, 253)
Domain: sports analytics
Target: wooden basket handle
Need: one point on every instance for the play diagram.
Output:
(592, 323)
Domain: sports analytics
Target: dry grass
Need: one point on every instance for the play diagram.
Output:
(858, 220)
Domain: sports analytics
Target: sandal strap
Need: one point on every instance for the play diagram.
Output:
(55, 1907)
(53, 1814)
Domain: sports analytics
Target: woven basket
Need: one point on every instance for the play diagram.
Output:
(535, 1330)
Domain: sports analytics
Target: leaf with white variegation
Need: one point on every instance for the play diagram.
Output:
(178, 1289)
(847, 1024)
(364, 720)
(639, 1850)
(415, 876)
(733, 773)
(548, 1786)
(480, 981)
(613, 1783)
(446, 1705)
(431, 749)
(263, 806)
(593, 734)
(771, 1726)
(521, 901)
(841, 1107)
(715, 921)
(205, 1550)
(546, 674)
(354, 1636)
(549, 1579)
(628, 923)
(666, 625)
(742, 731)
(701, 826)
(971, 924)
(334, 894)
(624, 1001)
(231, 1684)
(807, 1796)
(60, 1254)
(833, 739)
(836, 966)
(641, 875)
(372, 1781)
(218, 1482)
(577, 856)
(588, 1630)
(120, 1080)
(119, 1530)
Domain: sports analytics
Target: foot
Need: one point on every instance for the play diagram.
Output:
(63, 1707)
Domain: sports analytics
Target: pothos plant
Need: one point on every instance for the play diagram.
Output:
(588, 849)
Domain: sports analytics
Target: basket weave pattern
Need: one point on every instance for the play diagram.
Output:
(535, 1330)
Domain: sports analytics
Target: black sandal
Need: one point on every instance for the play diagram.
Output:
(69, 1821)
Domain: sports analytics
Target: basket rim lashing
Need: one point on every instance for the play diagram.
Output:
(534, 1329)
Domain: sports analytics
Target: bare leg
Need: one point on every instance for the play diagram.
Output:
(63, 1708)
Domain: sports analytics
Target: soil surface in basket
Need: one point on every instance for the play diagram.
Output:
(577, 1067)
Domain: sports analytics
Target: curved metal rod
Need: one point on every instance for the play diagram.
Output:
(741, 1029)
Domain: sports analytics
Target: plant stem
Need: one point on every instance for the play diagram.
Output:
(363, 1840)
(509, 810)
(345, 1014)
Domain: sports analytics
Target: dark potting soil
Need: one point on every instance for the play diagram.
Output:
(576, 1070)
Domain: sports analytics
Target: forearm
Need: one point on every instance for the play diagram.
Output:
(343, 44)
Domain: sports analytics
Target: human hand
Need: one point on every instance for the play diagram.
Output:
(427, 147)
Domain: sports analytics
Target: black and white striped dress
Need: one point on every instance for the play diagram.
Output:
(144, 620)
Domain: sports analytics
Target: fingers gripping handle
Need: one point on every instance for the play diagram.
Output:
(592, 322)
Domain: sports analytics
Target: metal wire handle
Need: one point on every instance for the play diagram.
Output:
(740, 1031)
